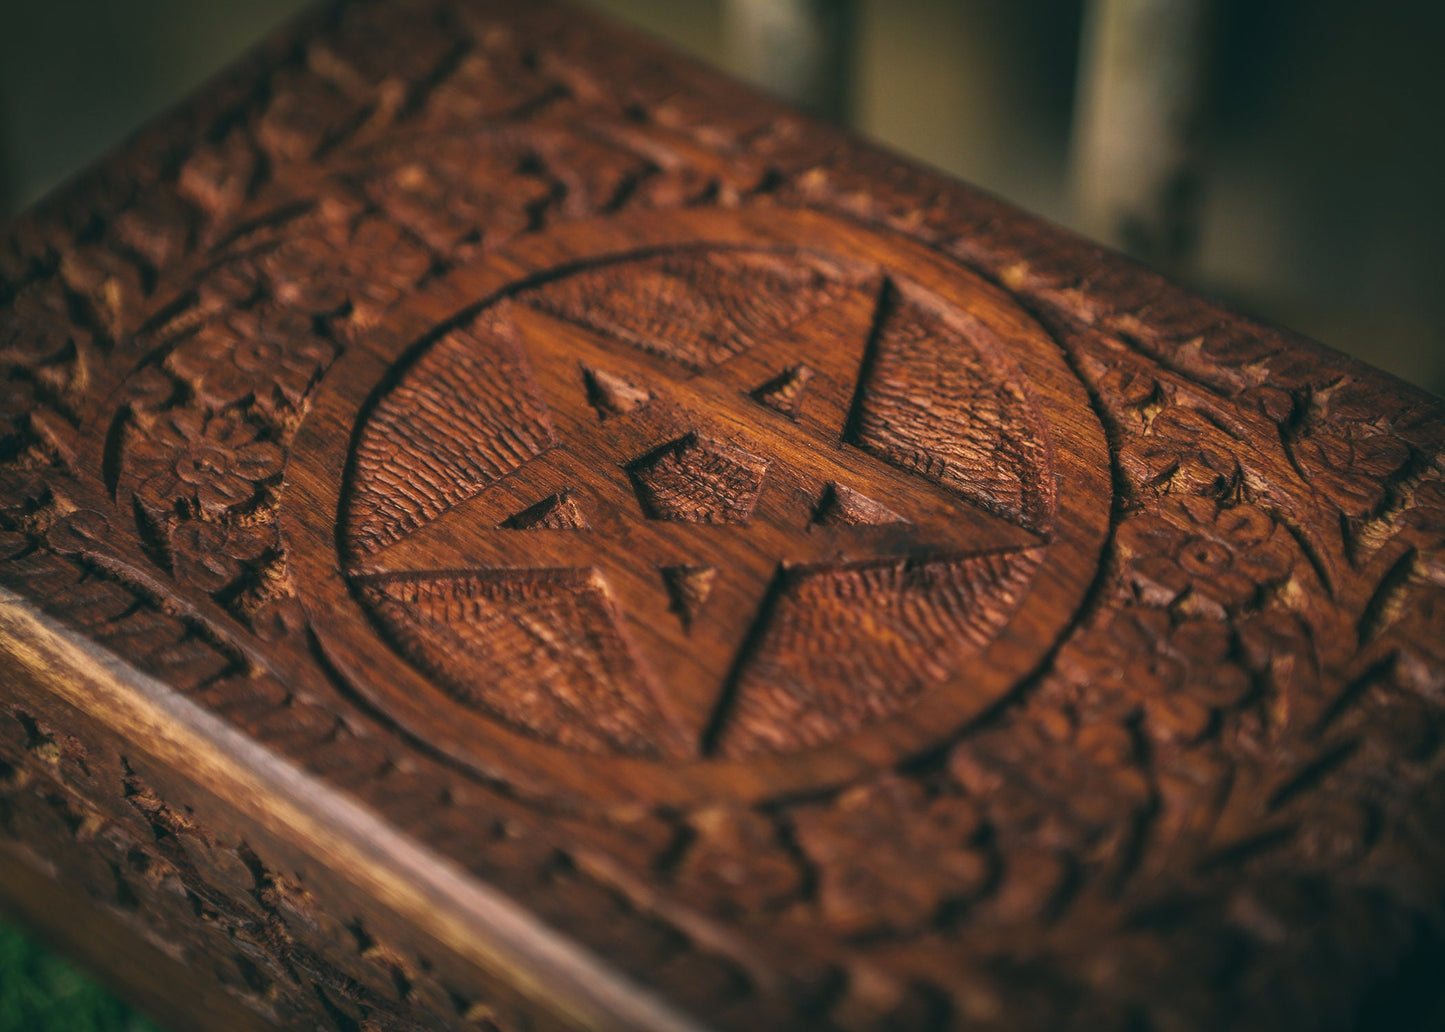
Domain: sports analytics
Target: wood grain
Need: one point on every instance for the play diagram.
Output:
(506, 529)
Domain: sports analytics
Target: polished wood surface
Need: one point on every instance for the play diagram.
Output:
(501, 528)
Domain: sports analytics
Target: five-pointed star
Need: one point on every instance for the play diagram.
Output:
(691, 583)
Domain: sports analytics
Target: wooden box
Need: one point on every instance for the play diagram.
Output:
(501, 528)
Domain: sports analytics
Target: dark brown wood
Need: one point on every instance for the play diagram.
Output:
(501, 528)
(67, 921)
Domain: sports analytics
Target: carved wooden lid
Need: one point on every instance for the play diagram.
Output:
(499, 525)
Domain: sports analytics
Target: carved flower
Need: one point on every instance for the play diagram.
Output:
(230, 287)
(375, 267)
(1211, 557)
(36, 326)
(1351, 469)
(303, 275)
(1183, 452)
(265, 353)
(736, 862)
(79, 532)
(1126, 384)
(435, 196)
(889, 857)
(383, 263)
(212, 556)
(149, 389)
(1177, 672)
(188, 463)
(278, 619)
(1275, 404)
(208, 363)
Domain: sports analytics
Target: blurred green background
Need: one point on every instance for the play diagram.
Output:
(41, 993)
(1321, 168)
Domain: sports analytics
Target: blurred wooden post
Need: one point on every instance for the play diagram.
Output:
(9, 198)
(799, 50)
(1141, 85)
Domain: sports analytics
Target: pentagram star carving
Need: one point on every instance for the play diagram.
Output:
(721, 504)
(713, 492)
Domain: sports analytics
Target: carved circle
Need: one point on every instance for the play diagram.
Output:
(705, 504)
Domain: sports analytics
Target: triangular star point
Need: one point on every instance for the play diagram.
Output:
(843, 506)
(784, 392)
(689, 588)
(555, 512)
(611, 395)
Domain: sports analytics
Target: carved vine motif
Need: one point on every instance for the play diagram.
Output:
(1218, 801)
(209, 901)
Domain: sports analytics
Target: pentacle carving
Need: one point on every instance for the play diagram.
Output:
(714, 492)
